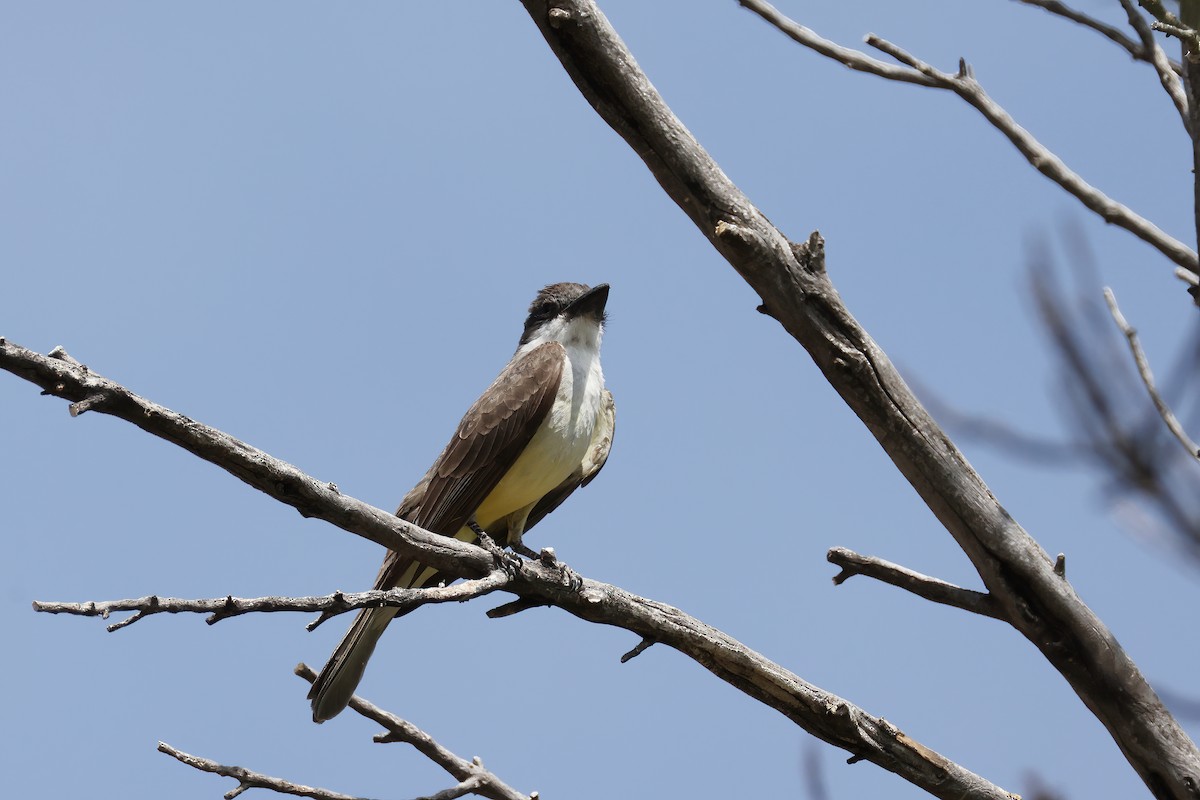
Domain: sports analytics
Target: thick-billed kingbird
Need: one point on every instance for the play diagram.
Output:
(539, 432)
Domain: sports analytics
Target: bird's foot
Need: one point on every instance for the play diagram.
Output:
(516, 544)
(569, 577)
(503, 559)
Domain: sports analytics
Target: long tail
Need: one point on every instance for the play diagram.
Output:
(332, 689)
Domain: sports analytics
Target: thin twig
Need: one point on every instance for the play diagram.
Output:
(248, 779)
(963, 84)
(1143, 368)
(482, 781)
(1158, 59)
(1138, 51)
(924, 586)
(853, 59)
(331, 605)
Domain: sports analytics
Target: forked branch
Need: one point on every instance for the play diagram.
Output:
(963, 83)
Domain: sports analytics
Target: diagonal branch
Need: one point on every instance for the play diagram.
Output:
(60, 375)
(796, 290)
(924, 586)
(822, 713)
(1167, 76)
(963, 84)
(1143, 368)
(1139, 51)
(471, 775)
(219, 608)
(853, 59)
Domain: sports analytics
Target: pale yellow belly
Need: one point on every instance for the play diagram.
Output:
(550, 457)
(546, 462)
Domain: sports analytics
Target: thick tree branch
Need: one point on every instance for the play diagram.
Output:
(963, 84)
(471, 775)
(1139, 51)
(542, 581)
(795, 289)
(1143, 368)
(219, 608)
(924, 586)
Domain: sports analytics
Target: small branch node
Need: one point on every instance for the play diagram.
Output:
(642, 646)
(1060, 565)
(516, 607)
(88, 403)
(559, 17)
(116, 626)
(811, 253)
(60, 353)
(731, 230)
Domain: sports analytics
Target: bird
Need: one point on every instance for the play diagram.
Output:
(541, 430)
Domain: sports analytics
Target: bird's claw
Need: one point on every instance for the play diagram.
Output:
(569, 577)
(500, 557)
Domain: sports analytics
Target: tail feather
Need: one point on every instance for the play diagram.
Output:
(332, 689)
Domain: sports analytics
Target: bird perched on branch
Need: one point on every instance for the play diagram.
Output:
(539, 432)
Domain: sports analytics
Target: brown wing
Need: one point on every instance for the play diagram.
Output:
(589, 468)
(490, 437)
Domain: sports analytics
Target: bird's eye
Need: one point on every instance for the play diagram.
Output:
(545, 308)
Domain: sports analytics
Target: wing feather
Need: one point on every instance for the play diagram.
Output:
(489, 439)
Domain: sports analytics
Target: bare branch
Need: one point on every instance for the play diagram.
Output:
(851, 58)
(332, 605)
(1138, 51)
(1143, 368)
(1102, 399)
(963, 84)
(62, 376)
(1171, 25)
(795, 289)
(248, 779)
(473, 778)
(921, 585)
(539, 582)
(1166, 72)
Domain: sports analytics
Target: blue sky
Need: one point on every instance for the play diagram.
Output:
(316, 226)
